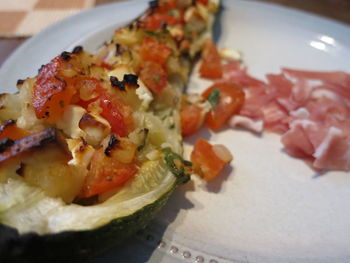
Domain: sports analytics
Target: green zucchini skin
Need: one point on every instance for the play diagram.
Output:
(74, 246)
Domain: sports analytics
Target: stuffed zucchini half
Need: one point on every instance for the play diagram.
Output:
(90, 148)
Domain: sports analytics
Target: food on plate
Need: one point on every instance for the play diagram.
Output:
(310, 109)
(209, 160)
(226, 99)
(214, 107)
(192, 113)
(210, 66)
(91, 147)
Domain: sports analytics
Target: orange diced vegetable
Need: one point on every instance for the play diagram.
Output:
(154, 76)
(52, 92)
(211, 62)
(106, 173)
(11, 131)
(155, 51)
(191, 118)
(209, 160)
(229, 102)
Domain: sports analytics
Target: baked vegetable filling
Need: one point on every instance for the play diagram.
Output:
(99, 134)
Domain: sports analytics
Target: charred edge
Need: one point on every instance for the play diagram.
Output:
(86, 201)
(113, 142)
(153, 4)
(84, 142)
(89, 121)
(41, 68)
(20, 170)
(12, 148)
(65, 56)
(46, 136)
(20, 81)
(131, 79)
(82, 148)
(6, 124)
(116, 83)
(164, 25)
(6, 143)
(118, 49)
(138, 24)
(77, 50)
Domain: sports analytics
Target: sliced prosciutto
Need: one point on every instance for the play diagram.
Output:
(310, 109)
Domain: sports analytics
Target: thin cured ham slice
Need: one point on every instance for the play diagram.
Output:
(336, 77)
(242, 121)
(236, 72)
(311, 110)
(334, 151)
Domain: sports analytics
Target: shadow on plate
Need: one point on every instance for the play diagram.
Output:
(317, 173)
(143, 246)
(216, 184)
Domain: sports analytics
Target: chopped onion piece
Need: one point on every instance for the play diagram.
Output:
(222, 152)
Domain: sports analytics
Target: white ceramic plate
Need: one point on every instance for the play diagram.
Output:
(268, 207)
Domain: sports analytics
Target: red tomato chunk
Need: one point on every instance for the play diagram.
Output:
(209, 160)
(211, 62)
(230, 102)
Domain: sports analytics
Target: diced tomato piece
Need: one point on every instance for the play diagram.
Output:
(154, 76)
(117, 113)
(106, 173)
(84, 104)
(206, 161)
(157, 20)
(155, 51)
(52, 93)
(191, 117)
(203, 2)
(211, 66)
(231, 100)
(10, 130)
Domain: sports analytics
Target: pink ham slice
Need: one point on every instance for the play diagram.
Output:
(311, 110)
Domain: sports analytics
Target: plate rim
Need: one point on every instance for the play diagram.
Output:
(29, 42)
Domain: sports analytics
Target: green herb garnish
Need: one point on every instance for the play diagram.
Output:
(177, 165)
(214, 98)
(151, 33)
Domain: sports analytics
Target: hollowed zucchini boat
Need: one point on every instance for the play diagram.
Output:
(90, 148)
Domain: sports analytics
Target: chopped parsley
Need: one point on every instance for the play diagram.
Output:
(151, 33)
(177, 165)
(214, 98)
